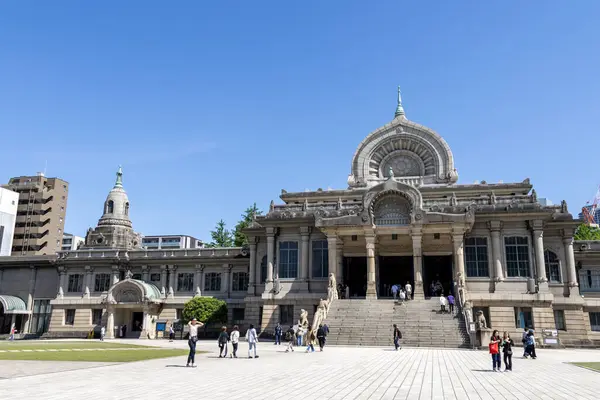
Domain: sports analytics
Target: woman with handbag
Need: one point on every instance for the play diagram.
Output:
(193, 326)
(495, 351)
(507, 345)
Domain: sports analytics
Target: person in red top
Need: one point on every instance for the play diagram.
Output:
(495, 341)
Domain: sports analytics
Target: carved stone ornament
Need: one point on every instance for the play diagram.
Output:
(563, 207)
(453, 200)
(493, 198)
(128, 275)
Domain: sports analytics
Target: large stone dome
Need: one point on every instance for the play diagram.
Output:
(412, 153)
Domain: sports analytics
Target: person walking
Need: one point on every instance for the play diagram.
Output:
(290, 337)
(235, 340)
(278, 331)
(299, 334)
(530, 349)
(495, 351)
(450, 299)
(408, 289)
(193, 326)
(395, 291)
(223, 339)
(310, 340)
(252, 339)
(321, 337)
(443, 302)
(402, 296)
(171, 333)
(102, 333)
(397, 337)
(507, 345)
(524, 341)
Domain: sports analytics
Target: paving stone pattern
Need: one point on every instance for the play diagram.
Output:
(337, 373)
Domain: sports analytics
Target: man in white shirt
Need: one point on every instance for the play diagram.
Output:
(235, 339)
(252, 339)
(408, 289)
(443, 302)
(402, 296)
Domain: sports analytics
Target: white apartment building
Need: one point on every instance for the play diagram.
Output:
(71, 242)
(9, 202)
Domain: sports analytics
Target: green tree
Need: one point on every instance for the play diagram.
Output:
(239, 238)
(586, 232)
(221, 237)
(205, 309)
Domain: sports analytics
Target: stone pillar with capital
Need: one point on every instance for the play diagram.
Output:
(88, 282)
(62, 274)
(226, 283)
(163, 280)
(270, 259)
(495, 227)
(145, 273)
(110, 322)
(252, 267)
(304, 258)
(339, 272)
(417, 242)
(371, 284)
(198, 280)
(571, 268)
(172, 280)
(332, 242)
(459, 257)
(538, 244)
(30, 294)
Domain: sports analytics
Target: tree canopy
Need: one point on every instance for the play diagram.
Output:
(205, 310)
(239, 238)
(586, 232)
(221, 236)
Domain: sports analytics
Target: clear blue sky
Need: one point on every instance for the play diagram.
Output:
(211, 106)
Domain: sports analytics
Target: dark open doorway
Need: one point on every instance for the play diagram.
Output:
(137, 319)
(394, 271)
(437, 269)
(355, 275)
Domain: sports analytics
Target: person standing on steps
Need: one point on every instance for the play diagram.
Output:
(507, 345)
(278, 332)
(402, 296)
(193, 326)
(451, 303)
(252, 339)
(395, 291)
(235, 339)
(408, 289)
(443, 302)
(397, 337)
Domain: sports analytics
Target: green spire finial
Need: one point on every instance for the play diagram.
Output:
(119, 182)
(399, 108)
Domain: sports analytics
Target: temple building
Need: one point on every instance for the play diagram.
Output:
(403, 218)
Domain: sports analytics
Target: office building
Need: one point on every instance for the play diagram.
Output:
(171, 242)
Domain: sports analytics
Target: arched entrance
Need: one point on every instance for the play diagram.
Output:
(13, 310)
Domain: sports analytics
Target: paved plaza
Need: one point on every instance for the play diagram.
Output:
(337, 373)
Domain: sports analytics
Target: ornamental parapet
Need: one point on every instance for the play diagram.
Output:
(154, 254)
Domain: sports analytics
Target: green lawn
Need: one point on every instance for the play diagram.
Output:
(591, 365)
(57, 345)
(95, 356)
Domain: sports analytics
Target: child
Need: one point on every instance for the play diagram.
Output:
(235, 339)
(310, 340)
(102, 333)
(223, 339)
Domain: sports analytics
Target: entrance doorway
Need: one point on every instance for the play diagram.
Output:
(355, 275)
(394, 271)
(137, 319)
(437, 270)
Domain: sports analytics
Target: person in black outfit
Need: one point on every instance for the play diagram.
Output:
(397, 337)
(507, 345)
(321, 337)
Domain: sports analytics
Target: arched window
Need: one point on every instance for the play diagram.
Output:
(127, 208)
(552, 266)
(392, 209)
(110, 207)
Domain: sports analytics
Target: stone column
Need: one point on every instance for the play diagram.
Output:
(417, 242)
(62, 273)
(198, 280)
(252, 268)
(371, 284)
(88, 282)
(332, 242)
(339, 273)
(145, 273)
(459, 257)
(110, 323)
(304, 258)
(538, 244)
(163, 280)
(270, 255)
(495, 227)
(115, 274)
(172, 280)
(571, 269)
(30, 294)
(225, 287)
(144, 332)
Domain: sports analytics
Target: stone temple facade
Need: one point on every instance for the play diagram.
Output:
(402, 218)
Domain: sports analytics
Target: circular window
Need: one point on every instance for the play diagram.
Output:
(99, 240)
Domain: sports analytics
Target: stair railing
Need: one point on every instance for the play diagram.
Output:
(465, 309)
(324, 305)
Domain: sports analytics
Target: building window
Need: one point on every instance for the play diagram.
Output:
(394, 236)
(286, 315)
(589, 280)
(517, 256)
(40, 320)
(263, 270)
(240, 281)
(238, 315)
(288, 260)
(476, 257)
(212, 282)
(523, 318)
(126, 208)
(154, 277)
(137, 277)
(179, 314)
(320, 261)
(69, 317)
(110, 207)
(96, 316)
(185, 282)
(102, 283)
(354, 238)
(595, 321)
(552, 266)
(559, 320)
(75, 283)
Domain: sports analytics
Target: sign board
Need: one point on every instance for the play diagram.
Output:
(161, 326)
(550, 337)
(472, 327)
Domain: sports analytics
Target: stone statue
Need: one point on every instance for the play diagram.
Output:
(303, 321)
(493, 198)
(128, 274)
(480, 322)
(272, 206)
(390, 172)
(305, 205)
(332, 288)
(339, 203)
(453, 200)
(533, 196)
(460, 281)
(563, 207)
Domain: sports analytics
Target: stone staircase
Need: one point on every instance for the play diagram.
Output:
(369, 323)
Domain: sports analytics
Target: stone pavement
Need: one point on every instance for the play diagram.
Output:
(337, 373)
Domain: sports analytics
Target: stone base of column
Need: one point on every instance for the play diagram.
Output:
(268, 287)
(543, 287)
(574, 290)
(371, 290)
(418, 292)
